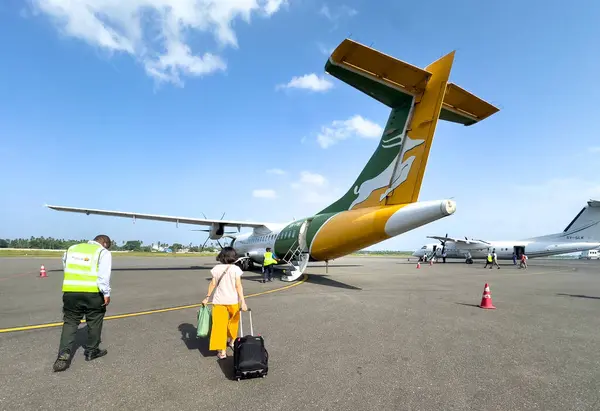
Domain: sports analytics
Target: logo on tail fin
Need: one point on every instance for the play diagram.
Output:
(393, 176)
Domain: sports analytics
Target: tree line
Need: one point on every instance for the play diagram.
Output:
(50, 243)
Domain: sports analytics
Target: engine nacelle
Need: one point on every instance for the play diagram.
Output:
(216, 231)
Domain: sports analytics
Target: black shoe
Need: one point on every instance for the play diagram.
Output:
(62, 362)
(92, 355)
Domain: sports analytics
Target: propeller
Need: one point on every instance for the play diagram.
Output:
(444, 244)
(207, 230)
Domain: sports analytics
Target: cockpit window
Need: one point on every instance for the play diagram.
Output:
(424, 247)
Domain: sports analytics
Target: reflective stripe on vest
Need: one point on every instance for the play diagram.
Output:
(269, 259)
(81, 268)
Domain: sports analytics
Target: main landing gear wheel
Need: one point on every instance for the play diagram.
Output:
(469, 261)
(244, 264)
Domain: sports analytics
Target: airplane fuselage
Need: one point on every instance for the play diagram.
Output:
(328, 236)
(505, 249)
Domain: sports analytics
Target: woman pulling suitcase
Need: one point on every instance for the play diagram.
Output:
(227, 301)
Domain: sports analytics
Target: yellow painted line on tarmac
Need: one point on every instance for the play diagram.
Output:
(160, 310)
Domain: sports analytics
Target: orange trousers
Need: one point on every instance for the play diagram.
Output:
(225, 321)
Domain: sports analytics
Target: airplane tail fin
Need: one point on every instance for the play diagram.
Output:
(585, 227)
(417, 99)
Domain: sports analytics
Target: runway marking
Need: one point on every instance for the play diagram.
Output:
(159, 310)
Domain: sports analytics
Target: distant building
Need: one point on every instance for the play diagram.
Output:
(157, 248)
(590, 254)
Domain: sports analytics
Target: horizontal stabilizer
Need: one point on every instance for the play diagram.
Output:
(462, 107)
(375, 65)
(384, 77)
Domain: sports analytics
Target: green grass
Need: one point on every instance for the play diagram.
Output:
(59, 253)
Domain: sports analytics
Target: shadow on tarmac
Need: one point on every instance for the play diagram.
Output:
(80, 342)
(319, 279)
(227, 367)
(579, 296)
(469, 305)
(192, 342)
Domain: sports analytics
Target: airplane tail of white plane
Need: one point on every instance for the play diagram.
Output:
(584, 227)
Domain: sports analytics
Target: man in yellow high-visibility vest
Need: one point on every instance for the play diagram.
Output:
(268, 264)
(86, 292)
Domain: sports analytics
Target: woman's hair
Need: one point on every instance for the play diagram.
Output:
(228, 255)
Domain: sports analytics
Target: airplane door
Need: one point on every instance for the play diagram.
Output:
(519, 250)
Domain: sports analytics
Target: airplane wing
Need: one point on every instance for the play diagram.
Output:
(156, 217)
(458, 240)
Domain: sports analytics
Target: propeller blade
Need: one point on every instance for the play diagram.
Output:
(203, 245)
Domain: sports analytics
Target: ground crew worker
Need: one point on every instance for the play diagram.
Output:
(268, 264)
(495, 260)
(488, 261)
(86, 292)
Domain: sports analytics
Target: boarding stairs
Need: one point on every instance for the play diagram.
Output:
(296, 261)
(429, 256)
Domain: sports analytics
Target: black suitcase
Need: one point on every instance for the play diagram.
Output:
(250, 357)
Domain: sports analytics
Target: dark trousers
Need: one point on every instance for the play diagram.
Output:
(268, 275)
(75, 307)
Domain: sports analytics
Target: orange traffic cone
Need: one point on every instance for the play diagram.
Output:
(486, 299)
(418, 264)
(43, 272)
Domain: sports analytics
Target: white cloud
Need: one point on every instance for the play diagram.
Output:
(308, 82)
(335, 15)
(343, 129)
(594, 149)
(264, 193)
(276, 171)
(314, 188)
(325, 50)
(160, 45)
(307, 177)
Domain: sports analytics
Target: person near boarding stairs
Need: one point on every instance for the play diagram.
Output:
(227, 301)
(268, 264)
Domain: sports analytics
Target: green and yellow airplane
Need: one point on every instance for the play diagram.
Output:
(382, 202)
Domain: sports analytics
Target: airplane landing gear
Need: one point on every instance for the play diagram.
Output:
(245, 264)
(469, 261)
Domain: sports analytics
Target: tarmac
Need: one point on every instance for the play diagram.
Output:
(372, 334)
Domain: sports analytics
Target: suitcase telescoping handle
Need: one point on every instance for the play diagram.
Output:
(241, 328)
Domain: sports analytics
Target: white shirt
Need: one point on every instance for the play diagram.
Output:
(226, 293)
(104, 269)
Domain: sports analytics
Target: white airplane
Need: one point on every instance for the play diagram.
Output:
(383, 201)
(582, 234)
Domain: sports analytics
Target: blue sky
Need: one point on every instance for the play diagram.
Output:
(184, 111)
